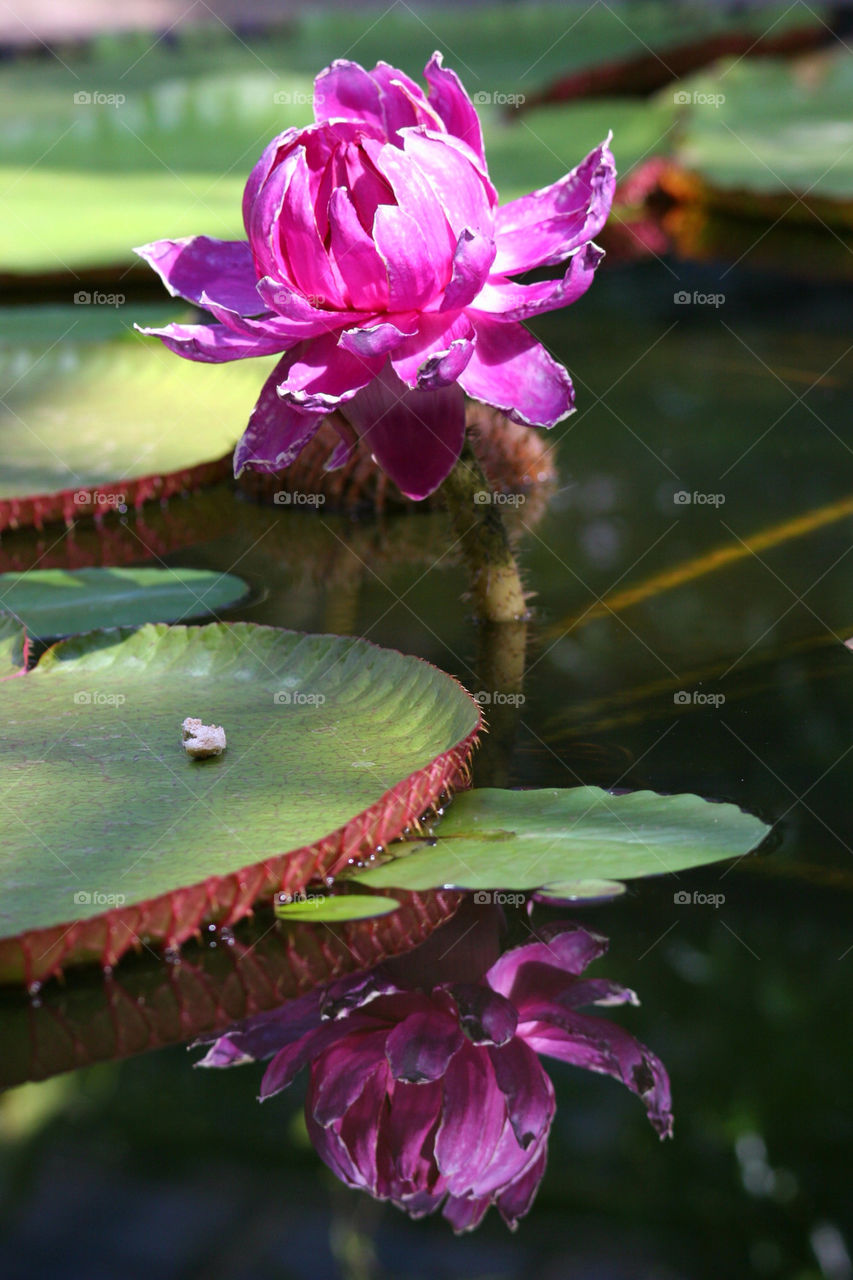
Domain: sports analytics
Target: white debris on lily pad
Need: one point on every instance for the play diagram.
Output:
(202, 740)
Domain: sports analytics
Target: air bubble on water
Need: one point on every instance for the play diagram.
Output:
(33, 989)
(226, 936)
(172, 955)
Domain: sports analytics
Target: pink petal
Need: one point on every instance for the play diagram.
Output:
(276, 433)
(527, 1089)
(566, 949)
(320, 375)
(472, 260)
(464, 1213)
(377, 339)
(453, 105)
(510, 301)
(269, 157)
(221, 269)
(345, 91)
(341, 1071)
(401, 245)
(263, 220)
(421, 1046)
(512, 371)
(515, 1202)
(485, 1016)
(413, 192)
(414, 1111)
(310, 266)
(415, 436)
(356, 257)
(545, 226)
(403, 102)
(598, 1045)
(454, 179)
(298, 314)
(473, 1120)
(213, 343)
(435, 355)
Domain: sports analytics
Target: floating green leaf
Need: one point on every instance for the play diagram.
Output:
(319, 908)
(59, 602)
(12, 646)
(333, 746)
(494, 839)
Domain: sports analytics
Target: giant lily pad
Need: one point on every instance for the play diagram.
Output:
(96, 418)
(13, 646)
(113, 835)
(54, 602)
(494, 839)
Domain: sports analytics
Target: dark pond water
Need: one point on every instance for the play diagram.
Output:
(679, 646)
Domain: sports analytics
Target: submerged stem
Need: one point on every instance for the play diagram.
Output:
(478, 526)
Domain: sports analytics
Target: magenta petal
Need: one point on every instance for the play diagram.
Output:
(420, 1047)
(599, 1045)
(310, 266)
(454, 179)
(360, 1127)
(545, 226)
(414, 1111)
(341, 1071)
(472, 261)
(413, 192)
(403, 102)
(473, 1120)
(515, 1202)
(263, 219)
(527, 1089)
(345, 91)
(360, 266)
(221, 269)
(415, 436)
(212, 343)
(402, 248)
(375, 340)
(512, 371)
(507, 300)
(565, 949)
(320, 375)
(485, 1016)
(464, 1213)
(299, 315)
(276, 433)
(597, 991)
(291, 1058)
(262, 170)
(453, 105)
(435, 355)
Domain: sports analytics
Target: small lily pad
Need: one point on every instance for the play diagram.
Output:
(324, 908)
(57, 602)
(494, 839)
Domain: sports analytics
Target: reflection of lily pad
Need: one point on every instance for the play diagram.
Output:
(145, 1005)
(95, 419)
(53, 602)
(493, 839)
(112, 835)
(319, 908)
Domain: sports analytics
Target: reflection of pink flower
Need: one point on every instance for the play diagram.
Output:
(378, 260)
(424, 1098)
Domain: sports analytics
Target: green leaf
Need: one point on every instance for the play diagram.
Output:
(333, 746)
(12, 646)
(93, 406)
(493, 839)
(58, 602)
(782, 127)
(318, 908)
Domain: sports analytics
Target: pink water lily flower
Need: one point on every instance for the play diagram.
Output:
(436, 1097)
(379, 262)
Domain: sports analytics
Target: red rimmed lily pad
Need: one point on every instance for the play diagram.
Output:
(113, 836)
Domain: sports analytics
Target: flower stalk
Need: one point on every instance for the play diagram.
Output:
(480, 532)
